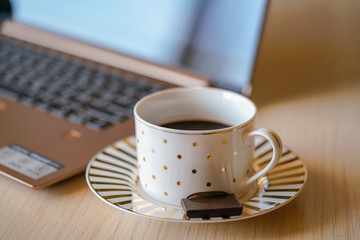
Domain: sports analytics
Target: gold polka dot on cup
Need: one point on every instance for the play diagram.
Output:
(235, 153)
(146, 185)
(144, 159)
(223, 169)
(153, 176)
(224, 142)
(208, 184)
(234, 179)
(194, 171)
(178, 183)
(165, 141)
(195, 144)
(209, 157)
(153, 150)
(179, 156)
(165, 167)
(165, 193)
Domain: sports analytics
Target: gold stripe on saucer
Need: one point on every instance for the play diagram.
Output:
(129, 143)
(244, 214)
(170, 213)
(251, 207)
(152, 212)
(141, 206)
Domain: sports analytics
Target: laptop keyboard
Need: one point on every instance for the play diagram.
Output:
(82, 93)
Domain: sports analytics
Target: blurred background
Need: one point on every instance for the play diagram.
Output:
(307, 46)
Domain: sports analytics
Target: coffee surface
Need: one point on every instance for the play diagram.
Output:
(195, 125)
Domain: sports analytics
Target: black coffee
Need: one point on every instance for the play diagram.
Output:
(195, 125)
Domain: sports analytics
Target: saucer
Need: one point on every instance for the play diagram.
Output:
(112, 175)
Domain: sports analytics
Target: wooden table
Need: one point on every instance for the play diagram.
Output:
(307, 88)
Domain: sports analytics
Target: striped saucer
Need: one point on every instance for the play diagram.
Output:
(112, 175)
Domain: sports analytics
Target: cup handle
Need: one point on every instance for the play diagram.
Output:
(276, 144)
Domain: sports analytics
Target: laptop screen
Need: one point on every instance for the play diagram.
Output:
(216, 38)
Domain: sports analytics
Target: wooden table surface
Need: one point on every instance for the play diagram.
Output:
(306, 87)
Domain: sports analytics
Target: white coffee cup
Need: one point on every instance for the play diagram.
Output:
(175, 163)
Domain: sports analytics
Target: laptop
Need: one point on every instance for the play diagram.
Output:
(71, 72)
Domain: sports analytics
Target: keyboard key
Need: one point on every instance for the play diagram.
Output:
(83, 98)
(59, 111)
(124, 101)
(118, 110)
(77, 118)
(41, 105)
(98, 124)
(99, 103)
(103, 115)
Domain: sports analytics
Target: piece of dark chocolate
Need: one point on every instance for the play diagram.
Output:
(211, 204)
